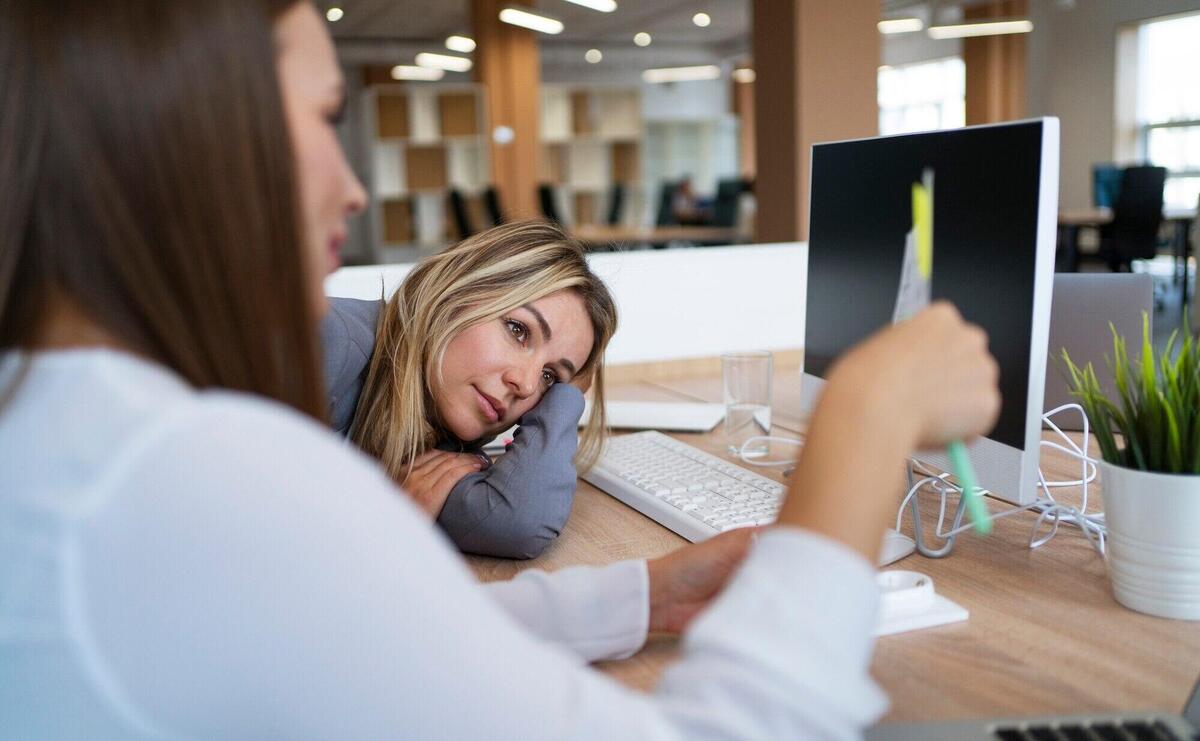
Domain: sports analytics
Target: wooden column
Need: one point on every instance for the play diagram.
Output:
(816, 64)
(507, 64)
(742, 104)
(996, 66)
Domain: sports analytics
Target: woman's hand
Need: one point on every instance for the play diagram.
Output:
(684, 582)
(434, 474)
(933, 371)
(919, 384)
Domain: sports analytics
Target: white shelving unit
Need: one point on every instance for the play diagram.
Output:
(592, 139)
(426, 139)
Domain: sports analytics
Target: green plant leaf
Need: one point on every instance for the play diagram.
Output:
(1156, 410)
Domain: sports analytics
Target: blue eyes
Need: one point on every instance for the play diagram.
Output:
(520, 333)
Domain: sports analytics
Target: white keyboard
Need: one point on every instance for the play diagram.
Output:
(694, 493)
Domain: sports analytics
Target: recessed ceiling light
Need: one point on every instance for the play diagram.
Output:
(444, 61)
(333, 15)
(593, 56)
(460, 44)
(900, 25)
(682, 74)
(604, 6)
(743, 74)
(410, 72)
(702, 20)
(642, 39)
(532, 21)
(986, 28)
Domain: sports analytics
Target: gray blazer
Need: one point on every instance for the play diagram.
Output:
(513, 509)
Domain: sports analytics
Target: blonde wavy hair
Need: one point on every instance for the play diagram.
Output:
(476, 281)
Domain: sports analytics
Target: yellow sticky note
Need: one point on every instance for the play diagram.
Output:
(922, 206)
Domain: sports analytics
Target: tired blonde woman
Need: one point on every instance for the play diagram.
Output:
(506, 328)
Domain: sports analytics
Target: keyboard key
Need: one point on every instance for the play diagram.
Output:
(1075, 733)
(1108, 732)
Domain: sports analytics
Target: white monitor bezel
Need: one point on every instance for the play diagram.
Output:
(1007, 472)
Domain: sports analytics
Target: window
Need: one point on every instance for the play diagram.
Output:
(1168, 103)
(922, 96)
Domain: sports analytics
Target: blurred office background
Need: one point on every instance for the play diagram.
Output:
(664, 123)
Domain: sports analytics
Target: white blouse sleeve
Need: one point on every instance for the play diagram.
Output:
(244, 576)
(598, 612)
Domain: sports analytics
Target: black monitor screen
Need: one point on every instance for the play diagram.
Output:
(984, 243)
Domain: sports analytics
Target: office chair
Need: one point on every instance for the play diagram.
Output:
(616, 203)
(1137, 215)
(725, 206)
(666, 202)
(458, 210)
(491, 202)
(1106, 184)
(549, 207)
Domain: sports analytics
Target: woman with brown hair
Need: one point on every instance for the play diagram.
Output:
(186, 553)
(507, 328)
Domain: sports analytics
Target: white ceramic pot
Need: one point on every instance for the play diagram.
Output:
(1153, 524)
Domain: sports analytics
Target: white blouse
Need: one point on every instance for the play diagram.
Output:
(182, 564)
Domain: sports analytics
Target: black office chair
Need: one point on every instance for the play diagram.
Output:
(548, 204)
(1137, 216)
(491, 201)
(616, 203)
(666, 205)
(725, 205)
(458, 210)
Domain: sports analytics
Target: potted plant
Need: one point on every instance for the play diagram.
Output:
(1149, 439)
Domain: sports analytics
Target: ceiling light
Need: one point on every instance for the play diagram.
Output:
(702, 20)
(986, 28)
(744, 74)
(604, 6)
(682, 74)
(900, 25)
(409, 72)
(333, 15)
(460, 44)
(532, 21)
(642, 39)
(444, 61)
(593, 56)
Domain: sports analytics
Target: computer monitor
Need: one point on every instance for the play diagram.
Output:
(994, 217)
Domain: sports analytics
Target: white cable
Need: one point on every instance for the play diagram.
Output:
(768, 439)
(1050, 511)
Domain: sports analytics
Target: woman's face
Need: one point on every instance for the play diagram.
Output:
(314, 97)
(494, 372)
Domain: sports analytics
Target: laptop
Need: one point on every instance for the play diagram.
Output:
(1096, 727)
(1082, 307)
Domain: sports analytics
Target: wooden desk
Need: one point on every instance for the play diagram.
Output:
(1044, 636)
(594, 235)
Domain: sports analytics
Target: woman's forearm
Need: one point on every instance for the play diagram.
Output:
(854, 454)
(516, 508)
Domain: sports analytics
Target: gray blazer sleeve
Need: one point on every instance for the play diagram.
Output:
(519, 506)
(347, 341)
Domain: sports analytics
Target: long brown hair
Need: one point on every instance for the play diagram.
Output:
(476, 281)
(146, 174)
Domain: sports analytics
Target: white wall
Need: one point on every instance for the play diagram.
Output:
(677, 101)
(1072, 75)
(910, 48)
(685, 303)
